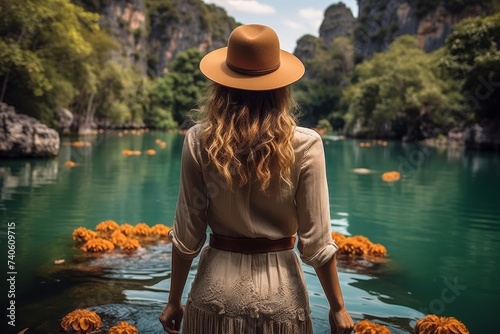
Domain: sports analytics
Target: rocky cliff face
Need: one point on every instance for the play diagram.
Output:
(151, 33)
(337, 22)
(126, 21)
(381, 21)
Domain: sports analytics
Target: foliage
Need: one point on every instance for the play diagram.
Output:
(327, 73)
(398, 91)
(472, 55)
(177, 92)
(44, 47)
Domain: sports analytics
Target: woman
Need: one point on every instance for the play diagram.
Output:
(257, 181)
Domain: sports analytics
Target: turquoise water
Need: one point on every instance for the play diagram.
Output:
(440, 224)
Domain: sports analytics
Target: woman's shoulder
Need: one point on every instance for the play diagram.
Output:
(306, 134)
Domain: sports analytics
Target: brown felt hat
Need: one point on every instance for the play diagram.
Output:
(252, 60)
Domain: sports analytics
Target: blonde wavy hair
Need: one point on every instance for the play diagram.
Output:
(248, 135)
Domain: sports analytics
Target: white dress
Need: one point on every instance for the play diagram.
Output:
(252, 293)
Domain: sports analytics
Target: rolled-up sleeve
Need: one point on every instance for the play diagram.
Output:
(315, 243)
(188, 233)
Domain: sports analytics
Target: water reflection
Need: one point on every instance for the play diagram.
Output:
(26, 174)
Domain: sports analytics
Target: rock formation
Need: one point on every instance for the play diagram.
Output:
(23, 136)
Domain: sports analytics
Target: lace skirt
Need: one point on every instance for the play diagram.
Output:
(236, 293)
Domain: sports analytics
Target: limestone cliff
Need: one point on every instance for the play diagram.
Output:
(379, 22)
(152, 32)
(338, 21)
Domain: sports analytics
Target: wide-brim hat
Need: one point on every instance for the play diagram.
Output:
(252, 60)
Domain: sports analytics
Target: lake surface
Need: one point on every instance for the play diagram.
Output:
(440, 224)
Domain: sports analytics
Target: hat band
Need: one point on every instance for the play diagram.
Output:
(252, 72)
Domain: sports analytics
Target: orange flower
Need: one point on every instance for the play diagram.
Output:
(98, 245)
(81, 143)
(368, 327)
(130, 244)
(81, 321)
(123, 328)
(107, 226)
(69, 164)
(392, 176)
(117, 237)
(127, 229)
(142, 229)
(160, 230)
(358, 245)
(377, 250)
(151, 152)
(131, 152)
(338, 237)
(82, 234)
(432, 324)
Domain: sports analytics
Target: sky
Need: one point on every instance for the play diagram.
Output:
(291, 19)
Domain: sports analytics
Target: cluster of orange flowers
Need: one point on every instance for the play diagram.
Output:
(137, 152)
(109, 235)
(81, 143)
(358, 245)
(369, 327)
(391, 176)
(375, 142)
(83, 321)
(131, 152)
(430, 324)
(162, 143)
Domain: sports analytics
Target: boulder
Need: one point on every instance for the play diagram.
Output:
(22, 136)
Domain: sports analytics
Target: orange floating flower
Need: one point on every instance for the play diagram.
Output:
(358, 245)
(433, 324)
(142, 229)
(151, 152)
(82, 234)
(377, 250)
(130, 244)
(392, 176)
(338, 237)
(81, 321)
(131, 152)
(81, 144)
(98, 245)
(123, 328)
(160, 230)
(117, 238)
(369, 327)
(107, 226)
(365, 144)
(69, 164)
(127, 229)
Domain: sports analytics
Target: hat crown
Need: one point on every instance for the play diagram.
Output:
(253, 49)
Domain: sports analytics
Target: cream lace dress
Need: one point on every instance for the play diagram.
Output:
(252, 293)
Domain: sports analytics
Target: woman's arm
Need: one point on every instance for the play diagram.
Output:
(172, 314)
(340, 320)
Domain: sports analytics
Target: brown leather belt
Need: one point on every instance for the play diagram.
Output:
(251, 245)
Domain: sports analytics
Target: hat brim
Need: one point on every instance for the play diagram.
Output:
(213, 66)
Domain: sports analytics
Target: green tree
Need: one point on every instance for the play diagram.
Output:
(179, 91)
(44, 46)
(472, 55)
(400, 93)
(327, 74)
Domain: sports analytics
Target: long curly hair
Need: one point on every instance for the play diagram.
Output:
(248, 135)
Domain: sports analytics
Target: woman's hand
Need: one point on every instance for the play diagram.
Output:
(341, 322)
(171, 318)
